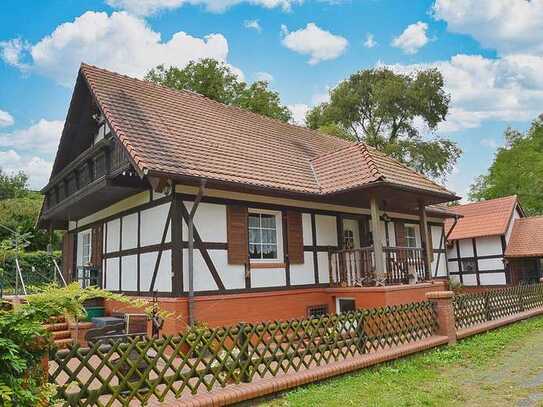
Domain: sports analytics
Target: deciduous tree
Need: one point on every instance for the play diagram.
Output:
(382, 108)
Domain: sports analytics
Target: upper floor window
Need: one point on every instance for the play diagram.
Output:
(103, 131)
(410, 236)
(264, 235)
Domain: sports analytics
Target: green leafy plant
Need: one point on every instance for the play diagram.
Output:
(24, 341)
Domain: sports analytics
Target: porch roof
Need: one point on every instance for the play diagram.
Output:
(183, 135)
(526, 238)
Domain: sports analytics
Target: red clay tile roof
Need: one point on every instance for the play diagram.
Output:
(526, 238)
(181, 133)
(485, 218)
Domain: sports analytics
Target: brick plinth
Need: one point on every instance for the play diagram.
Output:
(443, 305)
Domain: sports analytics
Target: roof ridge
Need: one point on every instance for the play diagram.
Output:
(191, 92)
(483, 201)
(374, 168)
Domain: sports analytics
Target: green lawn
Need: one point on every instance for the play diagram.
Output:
(500, 368)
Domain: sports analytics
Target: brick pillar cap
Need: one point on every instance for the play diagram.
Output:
(81, 325)
(436, 295)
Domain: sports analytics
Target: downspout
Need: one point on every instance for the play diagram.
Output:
(190, 225)
(446, 240)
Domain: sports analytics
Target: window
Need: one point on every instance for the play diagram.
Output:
(468, 265)
(85, 248)
(103, 131)
(345, 305)
(317, 311)
(348, 239)
(410, 236)
(264, 242)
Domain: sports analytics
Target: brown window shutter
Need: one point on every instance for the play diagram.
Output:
(237, 234)
(97, 241)
(295, 237)
(399, 233)
(67, 256)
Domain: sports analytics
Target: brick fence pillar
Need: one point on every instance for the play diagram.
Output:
(443, 306)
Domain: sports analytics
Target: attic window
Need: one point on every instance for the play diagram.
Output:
(103, 131)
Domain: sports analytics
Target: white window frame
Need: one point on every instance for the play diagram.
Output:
(409, 238)
(86, 257)
(279, 235)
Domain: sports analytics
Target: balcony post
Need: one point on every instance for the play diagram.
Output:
(377, 240)
(428, 250)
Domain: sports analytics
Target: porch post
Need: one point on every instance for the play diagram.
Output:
(377, 240)
(428, 250)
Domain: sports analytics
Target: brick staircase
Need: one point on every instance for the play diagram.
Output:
(59, 329)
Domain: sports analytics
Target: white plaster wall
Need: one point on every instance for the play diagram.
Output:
(466, 248)
(164, 276)
(488, 246)
(492, 279)
(210, 220)
(153, 221)
(451, 251)
(129, 273)
(232, 275)
(130, 231)
(436, 237)
(268, 277)
(453, 266)
(469, 279)
(203, 280)
(441, 266)
(112, 274)
(303, 273)
(392, 234)
(491, 264)
(113, 235)
(326, 230)
(324, 274)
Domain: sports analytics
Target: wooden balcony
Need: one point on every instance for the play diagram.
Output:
(95, 172)
(357, 267)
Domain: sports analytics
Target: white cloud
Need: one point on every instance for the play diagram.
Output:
(40, 138)
(413, 38)
(119, 42)
(509, 26)
(370, 41)
(148, 7)
(483, 89)
(6, 119)
(298, 113)
(264, 76)
(36, 168)
(12, 50)
(253, 24)
(319, 44)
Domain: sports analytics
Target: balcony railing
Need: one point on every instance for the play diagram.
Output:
(356, 267)
(102, 159)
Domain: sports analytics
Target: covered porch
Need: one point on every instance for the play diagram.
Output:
(384, 248)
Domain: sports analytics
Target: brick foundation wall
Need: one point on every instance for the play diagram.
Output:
(219, 310)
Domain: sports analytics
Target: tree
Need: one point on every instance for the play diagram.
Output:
(517, 169)
(13, 186)
(381, 108)
(216, 81)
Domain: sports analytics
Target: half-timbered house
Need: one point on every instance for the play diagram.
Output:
(227, 215)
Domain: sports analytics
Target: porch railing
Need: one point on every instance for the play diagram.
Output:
(356, 267)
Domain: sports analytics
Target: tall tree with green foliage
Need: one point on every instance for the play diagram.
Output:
(517, 169)
(13, 186)
(216, 80)
(380, 107)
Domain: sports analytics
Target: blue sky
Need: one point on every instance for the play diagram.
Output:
(489, 51)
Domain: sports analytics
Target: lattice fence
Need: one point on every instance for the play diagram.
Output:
(476, 308)
(141, 369)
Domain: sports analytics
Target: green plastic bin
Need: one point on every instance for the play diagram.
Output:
(94, 312)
